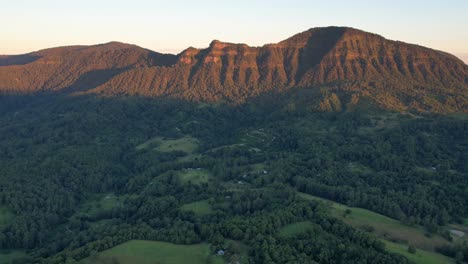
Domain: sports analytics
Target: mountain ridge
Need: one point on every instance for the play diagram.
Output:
(344, 60)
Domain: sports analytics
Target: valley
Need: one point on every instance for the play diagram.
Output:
(189, 191)
(332, 146)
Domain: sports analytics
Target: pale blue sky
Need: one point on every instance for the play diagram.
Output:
(170, 26)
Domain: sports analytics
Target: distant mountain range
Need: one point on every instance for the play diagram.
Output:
(344, 65)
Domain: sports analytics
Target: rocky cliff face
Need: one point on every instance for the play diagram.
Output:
(342, 60)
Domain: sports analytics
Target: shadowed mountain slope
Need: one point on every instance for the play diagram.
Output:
(73, 67)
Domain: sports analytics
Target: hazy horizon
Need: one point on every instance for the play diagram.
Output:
(170, 27)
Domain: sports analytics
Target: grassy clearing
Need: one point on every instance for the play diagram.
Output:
(100, 203)
(295, 229)
(420, 257)
(428, 171)
(257, 168)
(200, 208)
(236, 187)
(359, 168)
(7, 256)
(460, 116)
(383, 227)
(383, 121)
(151, 252)
(194, 176)
(6, 216)
(101, 223)
(463, 228)
(185, 144)
(257, 137)
(231, 146)
(390, 229)
(456, 228)
(149, 143)
(189, 157)
(203, 105)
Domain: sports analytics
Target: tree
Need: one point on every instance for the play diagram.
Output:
(411, 249)
(459, 257)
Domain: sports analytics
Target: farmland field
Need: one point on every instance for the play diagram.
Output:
(200, 208)
(295, 229)
(185, 144)
(420, 257)
(100, 203)
(385, 228)
(150, 252)
(194, 176)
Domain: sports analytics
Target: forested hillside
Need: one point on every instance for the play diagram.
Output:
(82, 174)
(333, 146)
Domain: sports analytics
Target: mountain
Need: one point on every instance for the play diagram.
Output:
(73, 68)
(344, 64)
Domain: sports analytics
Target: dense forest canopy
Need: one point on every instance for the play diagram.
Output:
(81, 174)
